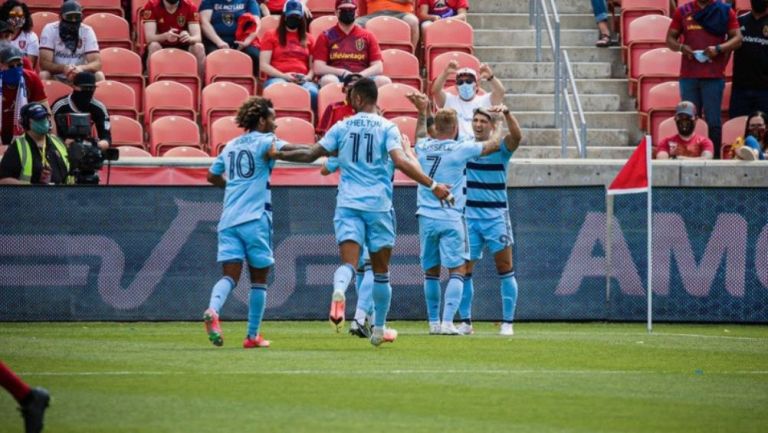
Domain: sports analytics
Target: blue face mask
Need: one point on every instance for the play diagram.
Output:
(40, 126)
(12, 76)
(467, 91)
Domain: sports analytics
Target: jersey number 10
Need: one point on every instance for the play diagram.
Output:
(356, 147)
(236, 165)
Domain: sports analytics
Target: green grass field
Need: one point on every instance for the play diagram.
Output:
(166, 377)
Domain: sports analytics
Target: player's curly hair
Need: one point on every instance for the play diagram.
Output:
(253, 109)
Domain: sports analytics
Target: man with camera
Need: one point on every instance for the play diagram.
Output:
(37, 156)
(81, 101)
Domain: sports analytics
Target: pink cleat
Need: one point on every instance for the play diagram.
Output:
(213, 327)
(336, 316)
(253, 343)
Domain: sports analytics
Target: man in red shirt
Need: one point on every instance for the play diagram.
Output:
(347, 48)
(15, 77)
(710, 32)
(339, 110)
(686, 144)
(173, 24)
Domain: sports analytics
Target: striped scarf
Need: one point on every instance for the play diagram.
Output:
(21, 100)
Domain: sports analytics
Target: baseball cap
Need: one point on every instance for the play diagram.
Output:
(34, 110)
(9, 53)
(467, 71)
(686, 107)
(352, 4)
(293, 7)
(85, 79)
(71, 7)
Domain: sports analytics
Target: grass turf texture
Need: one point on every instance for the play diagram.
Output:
(166, 377)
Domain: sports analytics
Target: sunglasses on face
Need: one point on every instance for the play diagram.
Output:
(16, 14)
(461, 81)
(73, 18)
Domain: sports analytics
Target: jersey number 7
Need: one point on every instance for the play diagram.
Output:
(436, 164)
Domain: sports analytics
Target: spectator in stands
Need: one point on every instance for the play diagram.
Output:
(686, 144)
(402, 9)
(430, 11)
(286, 52)
(339, 110)
(82, 101)
(467, 97)
(347, 48)
(754, 143)
(710, 31)
(600, 10)
(17, 15)
(275, 7)
(36, 156)
(13, 77)
(220, 21)
(68, 47)
(750, 63)
(174, 24)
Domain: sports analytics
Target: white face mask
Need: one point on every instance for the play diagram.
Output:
(467, 91)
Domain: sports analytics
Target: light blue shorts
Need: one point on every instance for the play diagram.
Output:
(495, 233)
(365, 257)
(251, 241)
(443, 242)
(375, 230)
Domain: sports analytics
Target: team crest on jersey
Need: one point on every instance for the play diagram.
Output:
(228, 19)
(147, 14)
(360, 44)
(181, 20)
(22, 44)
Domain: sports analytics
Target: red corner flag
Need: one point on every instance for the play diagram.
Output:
(633, 177)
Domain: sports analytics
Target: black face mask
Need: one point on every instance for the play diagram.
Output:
(685, 127)
(759, 6)
(347, 16)
(82, 98)
(292, 22)
(173, 2)
(69, 32)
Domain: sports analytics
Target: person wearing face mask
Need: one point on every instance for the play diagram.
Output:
(286, 52)
(753, 145)
(686, 144)
(465, 97)
(347, 48)
(20, 86)
(173, 24)
(276, 7)
(36, 156)
(81, 101)
(750, 63)
(19, 19)
(68, 47)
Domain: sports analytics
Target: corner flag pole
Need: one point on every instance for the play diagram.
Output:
(648, 143)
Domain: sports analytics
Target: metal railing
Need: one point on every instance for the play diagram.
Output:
(563, 76)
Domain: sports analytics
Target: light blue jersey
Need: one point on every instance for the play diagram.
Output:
(487, 185)
(243, 163)
(444, 161)
(363, 143)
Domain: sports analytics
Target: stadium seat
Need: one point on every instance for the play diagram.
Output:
(321, 24)
(407, 127)
(295, 131)
(668, 128)
(136, 7)
(221, 99)
(167, 98)
(656, 66)
(441, 62)
(402, 67)
(133, 152)
(643, 35)
(393, 103)
(117, 97)
(91, 7)
(111, 30)
(50, 6)
(266, 24)
(230, 65)
(634, 9)
(172, 131)
(41, 19)
(185, 152)
(124, 66)
(328, 95)
(321, 8)
(222, 131)
(290, 100)
(733, 129)
(55, 89)
(742, 6)
(176, 65)
(444, 36)
(659, 104)
(391, 32)
(126, 132)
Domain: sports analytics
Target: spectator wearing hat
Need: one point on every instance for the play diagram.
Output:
(174, 24)
(430, 11)
(276, 7)
(19, 20)
(347, 48)
(286, 52)
(750, 63)
(465, 97)
(68, 47)
(220, 21)
(401, 9)
(753, 145)
(686, 144)
(20, 86)
(339, 110)
(81, 101)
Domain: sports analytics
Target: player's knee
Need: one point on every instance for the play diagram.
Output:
(433, 272)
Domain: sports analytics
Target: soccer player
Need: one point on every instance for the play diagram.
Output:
(245, 228)
(33, 401)
(487, 215)
(365, 143)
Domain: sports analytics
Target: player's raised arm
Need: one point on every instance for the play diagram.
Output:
(421, 102)
(515, 135)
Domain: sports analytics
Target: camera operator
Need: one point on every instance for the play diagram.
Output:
(37, 156)
(81, 101)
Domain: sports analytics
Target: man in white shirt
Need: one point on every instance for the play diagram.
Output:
(68, 47)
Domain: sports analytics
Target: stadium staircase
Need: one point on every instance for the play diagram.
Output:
(505, 40)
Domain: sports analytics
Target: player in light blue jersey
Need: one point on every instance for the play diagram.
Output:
(487, 215)
(443, 230)
(245, 228)
(366, 144)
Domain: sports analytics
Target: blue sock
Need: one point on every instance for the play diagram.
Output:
(508, 296)
(359, 280)
(365, 291)
(342, 277)
(465, 307)
(453, 296)
(432, 297)
(220, 293)
(256, 303)
(382, 296)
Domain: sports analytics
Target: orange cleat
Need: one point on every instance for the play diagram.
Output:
(253, 343)
(213, 327)
(336, 316)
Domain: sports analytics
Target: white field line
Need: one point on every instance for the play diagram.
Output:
(538, 334)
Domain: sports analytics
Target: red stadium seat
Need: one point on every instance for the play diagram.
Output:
(444, 36)
(407, 127)
(111, 30)
(133, 152)
(172, 131)
(668, 128)
(321, 24)
(51, 6)
(176, 65)
(328, 95)
(41, 19)
(168, 98)
(742, 6)
(118, 98)
(634, 9)
(230, 65)
(441, 62)
(402, 67)
(733, 129)
(124, 66)
(136, 7)
(91, 7)
(643, 35)
(266, 24)
(290, 100)
(659, 105)
(221, 99)
(321, 8)
(656, 66)
(126, 131)
(391, 32)
(55, 90)
(393, 102)
(185, 152)
(295, 131)
(222, 131)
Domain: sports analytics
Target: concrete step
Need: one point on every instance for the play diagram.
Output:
(554, 152)
(546, 70)
(503, 53)
(626, 120)
(585, 85)
(501, 21)
(527, 38)
(542, 102)
(521, 7)
(595, 137)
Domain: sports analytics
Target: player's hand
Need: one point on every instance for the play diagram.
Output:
(184, 37)
(501, 109)
(419, 100)
(443, 192)
(485, 71)
(452, 67)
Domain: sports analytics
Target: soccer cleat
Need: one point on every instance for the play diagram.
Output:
(213, 327)
(360, 330)
(465, 329)
(387, 335)
(253, 343)
(434, 329)
(390, 335)
(336, 316)
(507, 329)
(448, 328)
(33, 408)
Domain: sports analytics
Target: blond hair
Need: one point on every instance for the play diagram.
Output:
(446, 120)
